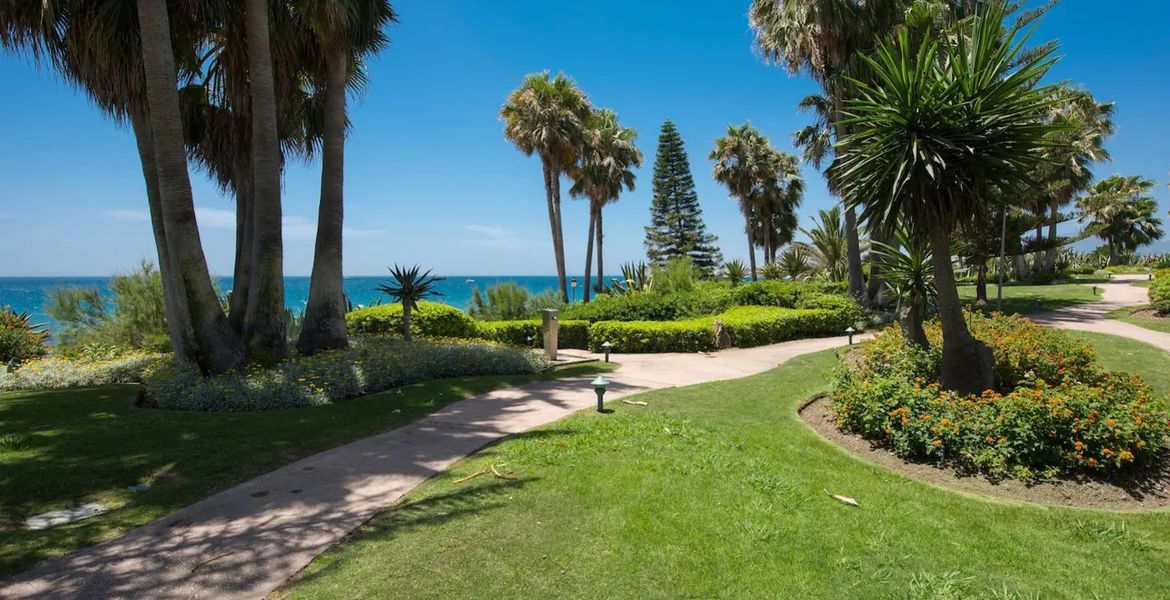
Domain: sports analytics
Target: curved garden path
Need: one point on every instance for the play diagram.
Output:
(247, 540)
(1090, 316)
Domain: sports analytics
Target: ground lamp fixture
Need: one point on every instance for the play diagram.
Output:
(530, 340)
(606, 347)
(1094, 290)
(599, 386)
(849, 332)
(573, 284)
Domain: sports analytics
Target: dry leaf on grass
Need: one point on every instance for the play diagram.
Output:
(843, 499)
(635, 402)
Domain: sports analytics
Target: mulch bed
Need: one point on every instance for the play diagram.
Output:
(1139, 489)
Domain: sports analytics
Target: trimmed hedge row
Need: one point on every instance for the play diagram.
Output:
(690, 335)
(430, 319)
(784, 294)
(571, 334)
(654, 306)
(751, 326)
(1160, 291)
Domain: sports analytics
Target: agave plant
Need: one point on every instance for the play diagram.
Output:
(735, 271)
(410, 285)
(909, 274)
(794, 262)
(20, 338)
(636, 277)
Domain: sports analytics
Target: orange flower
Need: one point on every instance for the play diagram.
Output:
(1079, 446)
(937, 443)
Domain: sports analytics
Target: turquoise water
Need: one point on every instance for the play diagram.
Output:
(28, 294)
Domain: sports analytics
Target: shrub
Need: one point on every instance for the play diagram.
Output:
(849, 311)
(785, 294)
(691, 335)
(20, 340)
(650, 306)
(571, 334)
(751, 326)
(1160, 292)
(59, 373)
(431, 319)
(678, 276)
(133, 318)
(371, 365)
(1054, 412)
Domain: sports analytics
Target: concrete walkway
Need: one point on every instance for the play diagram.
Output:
(1117, 293)
(246, 541)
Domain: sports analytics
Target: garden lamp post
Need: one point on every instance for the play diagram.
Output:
(599, 386)
(849, 332)
(573, 284)
(606, 347)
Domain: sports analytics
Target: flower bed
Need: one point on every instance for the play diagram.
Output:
(371, 365)
(1054, 411)
(59, 373)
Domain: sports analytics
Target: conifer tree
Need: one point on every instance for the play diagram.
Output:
(676, 220)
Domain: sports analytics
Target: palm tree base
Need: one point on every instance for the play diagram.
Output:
(968, 367)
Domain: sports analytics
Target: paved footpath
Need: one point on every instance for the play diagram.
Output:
(1116, 294)
(246, 541)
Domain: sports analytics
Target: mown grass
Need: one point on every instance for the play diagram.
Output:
(1127, 314)
(1022, 299)
(719, 490)
(66, 447)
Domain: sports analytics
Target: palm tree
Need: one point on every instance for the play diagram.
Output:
(828, 244)
(1119, 211)
(794, 262)
(546, 116)
(1078, 140)
(940, 125)
(605, 168)
(346, 31)
(775, 201)
(741, 163)
(907, 264)
(823, 37)
(409, 286)
(735, 271)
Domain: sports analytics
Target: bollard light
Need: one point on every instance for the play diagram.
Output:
(599, 386)
(1039, 304)
(849, 332)
(530, 340)
(606, 347)
(1094, 290)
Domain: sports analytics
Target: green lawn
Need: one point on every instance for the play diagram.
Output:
(1021, 299)
(1127, 314)
(62, 447)
(719, 490)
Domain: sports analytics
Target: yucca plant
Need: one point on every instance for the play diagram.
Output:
(20, 338)
(937, 126)
(636, 277)
(908, 271)
(735, 271)
(410, 285)
(794, 262)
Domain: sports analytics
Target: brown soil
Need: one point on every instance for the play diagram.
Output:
(1151, 314)
(1141, 489)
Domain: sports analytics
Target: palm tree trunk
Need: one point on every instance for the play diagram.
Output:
(552, 191)
(1114, 259)
(204, 335)
(981, 282)
(406, 317)
(589, 250)
(968, 366)
(910, 320)
(324, 324)
(242, 273)
(1050, 253)
(600, 254)
(876, 287)
(752, 252)
(174, 309)
(264, 322)
(853, 256)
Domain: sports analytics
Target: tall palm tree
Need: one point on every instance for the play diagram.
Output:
(940, 125)
(1119, 211)
(742, 164)
(1082, 125)
(605, 168)
(823, 37)
(346, 31)
(776, 199)
(546, 116)
(828, 244)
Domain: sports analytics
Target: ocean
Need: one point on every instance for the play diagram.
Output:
(28, 294)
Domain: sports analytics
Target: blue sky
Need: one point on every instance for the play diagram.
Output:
(429, 177)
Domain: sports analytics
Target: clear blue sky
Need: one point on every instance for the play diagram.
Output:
(430, 178)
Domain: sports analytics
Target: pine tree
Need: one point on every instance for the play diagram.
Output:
(676, 220)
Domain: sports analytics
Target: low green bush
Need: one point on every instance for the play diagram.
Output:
(372, 364)
(848, 309)
(650, 306)
(690, 335)
(1054, 411)
(1160, 292)
(570, 333)
(750, 326)
(20, 339)
(132, 318)
(784, 294)
(59, 373)
(430, 319)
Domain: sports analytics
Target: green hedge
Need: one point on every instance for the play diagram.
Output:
(785, 294)
(431, 319)
(1160, 292)
(751, 326)
(572, 333)
(649, 306)
(690, 335)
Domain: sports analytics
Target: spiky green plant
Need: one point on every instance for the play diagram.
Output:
(735, 271)
(409, 286)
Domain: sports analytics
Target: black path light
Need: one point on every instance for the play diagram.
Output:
(849, 332)
(573, 283)
(599, 386)
(606, 347)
